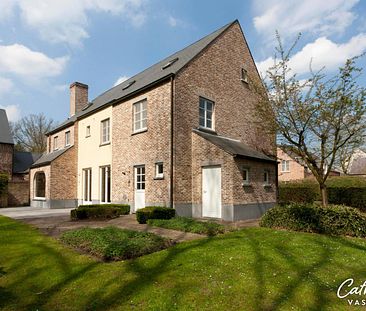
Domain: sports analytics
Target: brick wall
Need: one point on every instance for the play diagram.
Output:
(18, 193)
(215, 75)
(6, 159)
(47, 171)
(146, 148)
(61, 139)
(296, 171)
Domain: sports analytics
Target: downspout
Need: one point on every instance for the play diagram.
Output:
(171, 141)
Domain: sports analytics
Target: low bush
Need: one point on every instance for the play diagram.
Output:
(154, 212)
(188, 225)
(99, 211)
(299, 194)
(350, 196)
(332, 220)
(113, 243)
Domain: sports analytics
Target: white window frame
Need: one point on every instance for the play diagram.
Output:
(105, 131)
(105, 184)
(55, 142)
(87, 185)
(206, 112)
(159, 175)
(246, 181)
(140, 177)
(266, 178)
(139, 116)
(87, 131)
(285, 166)
(67, 138)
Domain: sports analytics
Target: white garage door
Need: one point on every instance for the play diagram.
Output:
(211, 191)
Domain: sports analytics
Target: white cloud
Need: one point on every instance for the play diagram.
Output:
(67, 20)
(172, 21)
(290, 17)
(13, 112)
(5, 85)
(120, 80)
(322, 52)
(30, 65)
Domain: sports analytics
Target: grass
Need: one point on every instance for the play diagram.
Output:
(188, 225)
(112, 243)
(251, 269)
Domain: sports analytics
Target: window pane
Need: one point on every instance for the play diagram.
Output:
(209, 106)
(202, 121)
(143, 124)
(202, 104)
(209, 115)
(160, 168)
(209, 124)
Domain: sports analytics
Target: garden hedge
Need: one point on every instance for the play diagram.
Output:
(154, 212)
(4, 178)
(100, 211)
(332, 220)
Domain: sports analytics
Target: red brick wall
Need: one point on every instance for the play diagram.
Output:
(6, 159)
(18, 193)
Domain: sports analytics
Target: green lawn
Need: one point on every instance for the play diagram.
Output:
(252, 269)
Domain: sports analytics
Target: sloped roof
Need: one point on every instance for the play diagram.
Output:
(49, 157)
(358, 166)
(24, 160)
(147, 77)
(234, 147)
(5, 133)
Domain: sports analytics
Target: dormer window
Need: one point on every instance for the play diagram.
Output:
(244, 75)
(206, 110)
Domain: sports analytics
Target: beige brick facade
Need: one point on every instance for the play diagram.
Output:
(295, 170)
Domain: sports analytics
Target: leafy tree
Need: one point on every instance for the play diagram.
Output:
(314, 118)
(30, 132)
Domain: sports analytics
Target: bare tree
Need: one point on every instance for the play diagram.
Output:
(30, 132)
(314, 118)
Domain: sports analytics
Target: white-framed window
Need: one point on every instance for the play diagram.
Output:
(285, 166)
(244, 75)
(105, 184)
(67, 138)
(245, 173)
(266, 177)
(87, 181)
(159, 170)
(87, 131)
(206, 111)
(105, 134)
(140, 116)
(140, 177)
(55, 143)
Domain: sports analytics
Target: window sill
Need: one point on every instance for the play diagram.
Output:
(139, 132)
(207, 130)
(246, 184)
(105, 144)
(159, 178)
(267, 185)
(39, 199)
(87, 136)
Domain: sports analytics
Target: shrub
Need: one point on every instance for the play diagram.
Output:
(3, 183)
(188, 225)
(299, 194)
(113, 243)
(350, 196)
(154, 212)
(100, 211)
(333, 219)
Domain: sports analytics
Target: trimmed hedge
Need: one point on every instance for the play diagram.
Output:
(154, 212)
(4, 179)
(332, 220)
(293, 194)
(99, 211)
(350, 196)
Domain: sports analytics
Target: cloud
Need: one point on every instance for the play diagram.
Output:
(13, 112)
(321, 52)
(290, 17)
(66, 21)
(120, 80)
(30, 65)
(5, 85)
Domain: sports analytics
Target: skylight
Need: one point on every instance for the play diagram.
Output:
(128, 84)
(171, 62)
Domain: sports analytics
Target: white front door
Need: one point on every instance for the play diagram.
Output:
(211, 191)
(139, 187)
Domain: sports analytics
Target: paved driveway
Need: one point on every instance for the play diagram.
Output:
(32, 212)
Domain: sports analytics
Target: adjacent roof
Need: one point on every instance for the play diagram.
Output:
(5, 133)
(358, 166)
(49, 157)
(234, 147)
(24, 160)
(158, 72)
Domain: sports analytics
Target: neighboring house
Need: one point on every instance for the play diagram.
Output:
(182, 133)
(292, 167)
(357, 164)
(15, 164)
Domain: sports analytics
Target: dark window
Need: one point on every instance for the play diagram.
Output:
(40, 185)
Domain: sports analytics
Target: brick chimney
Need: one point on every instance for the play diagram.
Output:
(78, 97)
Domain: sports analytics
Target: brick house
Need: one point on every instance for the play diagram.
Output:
(182, 133)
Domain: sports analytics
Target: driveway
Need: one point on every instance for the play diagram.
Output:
(32, 212)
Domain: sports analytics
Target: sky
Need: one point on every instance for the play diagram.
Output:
(46, 45)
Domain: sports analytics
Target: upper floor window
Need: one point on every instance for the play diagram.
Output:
(67, 138)
(244, 75)
(206, 113)
(87, 131)
(285, 165)
(55, 143)
(105, 135)
(140, 116)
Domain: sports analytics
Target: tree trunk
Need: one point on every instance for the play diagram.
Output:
(324, 194)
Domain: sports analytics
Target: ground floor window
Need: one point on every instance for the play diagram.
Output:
(140, 177)
(87, 180)
(40, 185)
(105, 184)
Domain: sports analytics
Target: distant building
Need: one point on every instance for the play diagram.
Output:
(357, 164)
